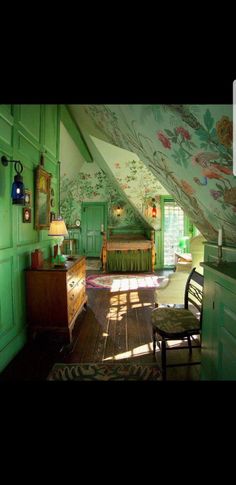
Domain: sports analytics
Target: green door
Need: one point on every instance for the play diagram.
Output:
(93, 222)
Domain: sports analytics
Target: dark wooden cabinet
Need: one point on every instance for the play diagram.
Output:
(55, 297)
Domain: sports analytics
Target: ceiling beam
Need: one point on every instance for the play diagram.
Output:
(75, 133)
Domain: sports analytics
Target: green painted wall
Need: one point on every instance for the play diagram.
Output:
(26, 131)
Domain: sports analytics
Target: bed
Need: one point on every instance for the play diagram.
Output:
(128, 253)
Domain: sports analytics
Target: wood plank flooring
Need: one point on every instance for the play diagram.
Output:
(115, 327)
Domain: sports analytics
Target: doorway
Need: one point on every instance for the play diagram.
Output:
(94, 221)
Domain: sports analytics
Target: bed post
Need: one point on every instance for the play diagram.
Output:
(153, 250)
(104, 252)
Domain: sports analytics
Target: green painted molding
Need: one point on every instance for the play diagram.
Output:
(71, 126)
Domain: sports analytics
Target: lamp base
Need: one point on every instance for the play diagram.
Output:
(55, 252)
(59, 260)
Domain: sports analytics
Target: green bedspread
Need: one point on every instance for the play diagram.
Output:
(129, 261)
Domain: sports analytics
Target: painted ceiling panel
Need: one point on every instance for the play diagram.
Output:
(90, 184)
(133, 177)
(187, 148)
(70, 157)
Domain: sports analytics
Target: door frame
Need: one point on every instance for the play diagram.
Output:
(187, 231)
(92, 204)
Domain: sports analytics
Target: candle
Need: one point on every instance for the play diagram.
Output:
(102, 227)
(70, 245)
(220, 237)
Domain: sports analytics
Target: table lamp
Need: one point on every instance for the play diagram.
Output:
(58, 230)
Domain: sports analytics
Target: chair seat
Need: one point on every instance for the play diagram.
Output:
(174, 322)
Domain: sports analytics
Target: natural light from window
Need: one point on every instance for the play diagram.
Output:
(135, 282)
(136, 352)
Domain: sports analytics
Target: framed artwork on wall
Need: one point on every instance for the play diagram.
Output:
(28, 197)
(26, 214)
(42, 198)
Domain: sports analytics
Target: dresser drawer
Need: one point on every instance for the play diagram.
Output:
(77, 269)
(75, 298)
(55, 296)
(74, 275)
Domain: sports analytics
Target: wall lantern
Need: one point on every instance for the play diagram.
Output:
(118, 211)
(18, 189)
(154, 209)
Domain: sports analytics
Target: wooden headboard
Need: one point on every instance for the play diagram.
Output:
(127, 241)
(129, 232)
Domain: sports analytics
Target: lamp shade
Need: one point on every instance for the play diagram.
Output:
(58, 228)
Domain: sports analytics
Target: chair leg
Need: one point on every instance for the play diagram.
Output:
(154, 341)
(189, 345)
(163, 359)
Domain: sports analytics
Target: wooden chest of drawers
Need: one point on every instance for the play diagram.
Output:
(55, 297)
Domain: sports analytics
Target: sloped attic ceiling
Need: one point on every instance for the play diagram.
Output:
(187, 148)
(81, 180)
(132, 179)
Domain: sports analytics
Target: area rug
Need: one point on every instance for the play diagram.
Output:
(93, 264)
(104, 372)
(123, 282)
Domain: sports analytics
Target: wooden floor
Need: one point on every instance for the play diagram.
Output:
(115, 327)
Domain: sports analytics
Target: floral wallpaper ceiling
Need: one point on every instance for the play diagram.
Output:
(187, 148)
(91, 184)
(137, 182)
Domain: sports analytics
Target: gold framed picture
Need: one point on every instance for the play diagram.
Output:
(42, 198)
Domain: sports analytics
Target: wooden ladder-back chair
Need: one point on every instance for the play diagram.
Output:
(176, 323)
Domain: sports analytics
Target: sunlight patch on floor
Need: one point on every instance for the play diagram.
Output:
(140, 305)
(115, 300)
(133, 283)
(136, 352)
(134, 297)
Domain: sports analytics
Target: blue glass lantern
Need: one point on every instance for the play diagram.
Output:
(18, 189)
